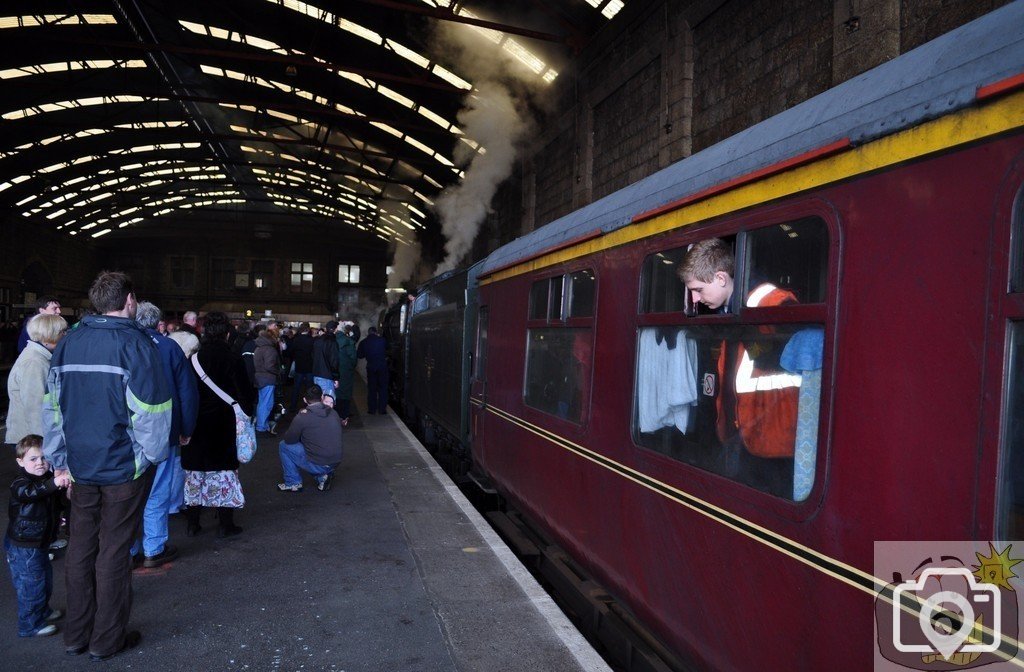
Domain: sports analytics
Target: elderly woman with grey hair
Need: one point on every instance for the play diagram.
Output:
(167, 493)
(26, 383)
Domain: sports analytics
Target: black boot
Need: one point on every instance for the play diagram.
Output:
(226, 516)
(192, 516)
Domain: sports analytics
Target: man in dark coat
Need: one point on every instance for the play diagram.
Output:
(301, 349)
(106, 431)
(325, 360)
(374, 350)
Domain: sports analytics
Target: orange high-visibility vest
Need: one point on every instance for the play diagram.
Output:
(765, 401)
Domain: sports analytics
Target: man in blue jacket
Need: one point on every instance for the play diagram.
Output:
(107, 416)
(375, 350)
(185, 396)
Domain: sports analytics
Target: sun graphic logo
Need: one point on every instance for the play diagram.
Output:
(947, 616)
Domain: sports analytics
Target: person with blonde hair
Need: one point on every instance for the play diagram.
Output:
(26, 384)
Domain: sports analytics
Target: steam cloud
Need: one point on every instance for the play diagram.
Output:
(494, 115)
(406, 261)
(490, 118)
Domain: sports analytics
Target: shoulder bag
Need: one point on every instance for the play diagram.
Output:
(245, 430)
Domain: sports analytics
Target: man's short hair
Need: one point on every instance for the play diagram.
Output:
(43, 301)
(110, 290)
(27, 443)
(372, 330)
(304, 328)
(44, 328)
(215, 326)
(705, 258)
(314, 393)
(148, 315)
(331, 326)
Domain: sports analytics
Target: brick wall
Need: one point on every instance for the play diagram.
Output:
(627, 131)
(924, 20)
(755, 59)
(553, 168)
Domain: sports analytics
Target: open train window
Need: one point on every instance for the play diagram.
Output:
(737, 397)
(559, 344)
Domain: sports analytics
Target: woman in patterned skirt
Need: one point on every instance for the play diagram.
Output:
(209, 459)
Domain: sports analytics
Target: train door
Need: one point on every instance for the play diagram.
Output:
(478, 380)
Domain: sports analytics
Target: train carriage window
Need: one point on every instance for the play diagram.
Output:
(791, 255)
(555, 301)
(558, 371)
(480, 368)
(539, 300)
(659, 292)
(1017, 245)
(581, 292)
(1012, 495)
(558, 356)
(737, 399)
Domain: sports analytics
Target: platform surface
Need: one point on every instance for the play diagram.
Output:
(391, 570)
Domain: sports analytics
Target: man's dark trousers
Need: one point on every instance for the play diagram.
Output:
(377, 384)
(98, 572)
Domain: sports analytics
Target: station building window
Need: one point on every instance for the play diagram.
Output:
(348, 274)
(728, 375)
(302, 277)
(222, 273)
(559, 344)
(183, 273)
(262, 273)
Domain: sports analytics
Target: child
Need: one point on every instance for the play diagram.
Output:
(34, 519)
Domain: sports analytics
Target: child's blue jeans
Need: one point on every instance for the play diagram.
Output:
(32, 575)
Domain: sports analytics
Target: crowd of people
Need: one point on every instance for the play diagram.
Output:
(125, 418)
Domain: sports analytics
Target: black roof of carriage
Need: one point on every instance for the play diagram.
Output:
(933, 80)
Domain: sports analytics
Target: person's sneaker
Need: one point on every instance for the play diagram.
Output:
(323, 483)
(55, 615)
(284, 487)
(169, 553)
(59, 544)
(46, 631)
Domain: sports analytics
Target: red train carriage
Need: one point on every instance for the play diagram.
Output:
(609, 408)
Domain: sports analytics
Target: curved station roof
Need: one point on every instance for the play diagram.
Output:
(119, 113)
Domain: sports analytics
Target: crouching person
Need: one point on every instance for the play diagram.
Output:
(312, 444)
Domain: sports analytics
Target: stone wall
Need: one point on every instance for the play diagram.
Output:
(755, 59)
(667, 78)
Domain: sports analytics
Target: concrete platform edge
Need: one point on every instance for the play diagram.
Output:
(577, 645)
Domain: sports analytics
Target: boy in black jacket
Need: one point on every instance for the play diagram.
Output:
(34, 513)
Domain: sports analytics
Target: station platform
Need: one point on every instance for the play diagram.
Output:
(390, 570)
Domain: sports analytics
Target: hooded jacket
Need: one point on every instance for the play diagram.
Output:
(318, 429)
(107, 409)
(266, 361)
